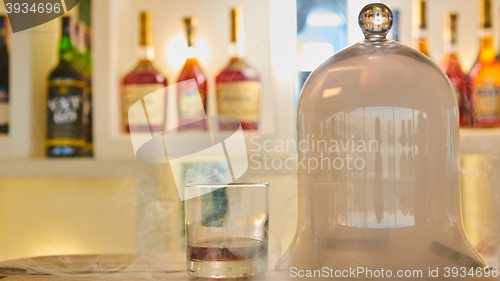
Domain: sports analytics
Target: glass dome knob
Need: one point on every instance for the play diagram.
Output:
(375, 20)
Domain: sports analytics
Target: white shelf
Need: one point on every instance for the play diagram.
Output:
(480, 141)
(74, 168)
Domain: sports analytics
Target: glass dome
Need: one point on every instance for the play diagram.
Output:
(378, 152)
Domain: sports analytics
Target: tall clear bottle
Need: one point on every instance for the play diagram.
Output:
(419, 20)
(66, 92)
(4, 76)
(451, 66)
(143, 80)
(189, 93)
(238, 84)
(485, 74)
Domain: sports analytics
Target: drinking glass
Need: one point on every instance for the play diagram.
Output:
(227, 229)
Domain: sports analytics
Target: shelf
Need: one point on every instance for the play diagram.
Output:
(74, 168)
(480, 141)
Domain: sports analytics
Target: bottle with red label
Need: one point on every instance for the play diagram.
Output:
(238, 84)
(145, 79)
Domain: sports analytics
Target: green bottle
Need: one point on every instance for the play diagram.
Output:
(66, 93)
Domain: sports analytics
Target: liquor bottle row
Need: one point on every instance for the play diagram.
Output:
(478, 92)
(69, 97)
(238, 85)
(4, 75)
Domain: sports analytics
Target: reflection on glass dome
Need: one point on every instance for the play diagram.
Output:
(379, 163)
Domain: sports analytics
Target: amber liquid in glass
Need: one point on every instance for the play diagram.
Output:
(238, 84)
(230, 250)
(142, 81)
(237, 257)
(485, 76)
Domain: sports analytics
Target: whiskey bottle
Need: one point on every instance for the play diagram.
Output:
(419, 20)
(451, 66)
(238, 84)
(143, 80)
(189, 106)
(66, 91)
(485, 74)
(4, 76)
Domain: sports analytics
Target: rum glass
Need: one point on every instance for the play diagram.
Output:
(226, 229)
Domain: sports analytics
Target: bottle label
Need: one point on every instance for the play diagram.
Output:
(134, 116)
(191, 103)
(240, 100)
(65, 113)
(488, 101)
(4, 107)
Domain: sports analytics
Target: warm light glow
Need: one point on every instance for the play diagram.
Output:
(314, 54)
(178, 51)
(283, 35)
(332, 92)
(324, 20)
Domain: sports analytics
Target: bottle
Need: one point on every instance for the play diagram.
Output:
(485, 74)
(143, 80)
(4, 76)
(88, 70)
(189, 105)
(87, 105)
(66, 91)
(238, 84)
(420, 35)
(451, 66)
(395, 25)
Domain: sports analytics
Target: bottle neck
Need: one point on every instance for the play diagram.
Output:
(450, 45)
(66, 53)
(146, 54)
(487, 51)
(421, 41)
(236, 51)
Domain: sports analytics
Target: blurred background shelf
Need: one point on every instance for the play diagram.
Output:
(480, 141)
(74, 168)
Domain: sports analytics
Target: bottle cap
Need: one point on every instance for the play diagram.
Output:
(236, 24)
(485, 14)
(419, 14)
(450, 27)
(146, 29)
(191, 26)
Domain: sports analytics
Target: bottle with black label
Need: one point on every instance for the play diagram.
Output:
(4, 77)
(66, 94)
